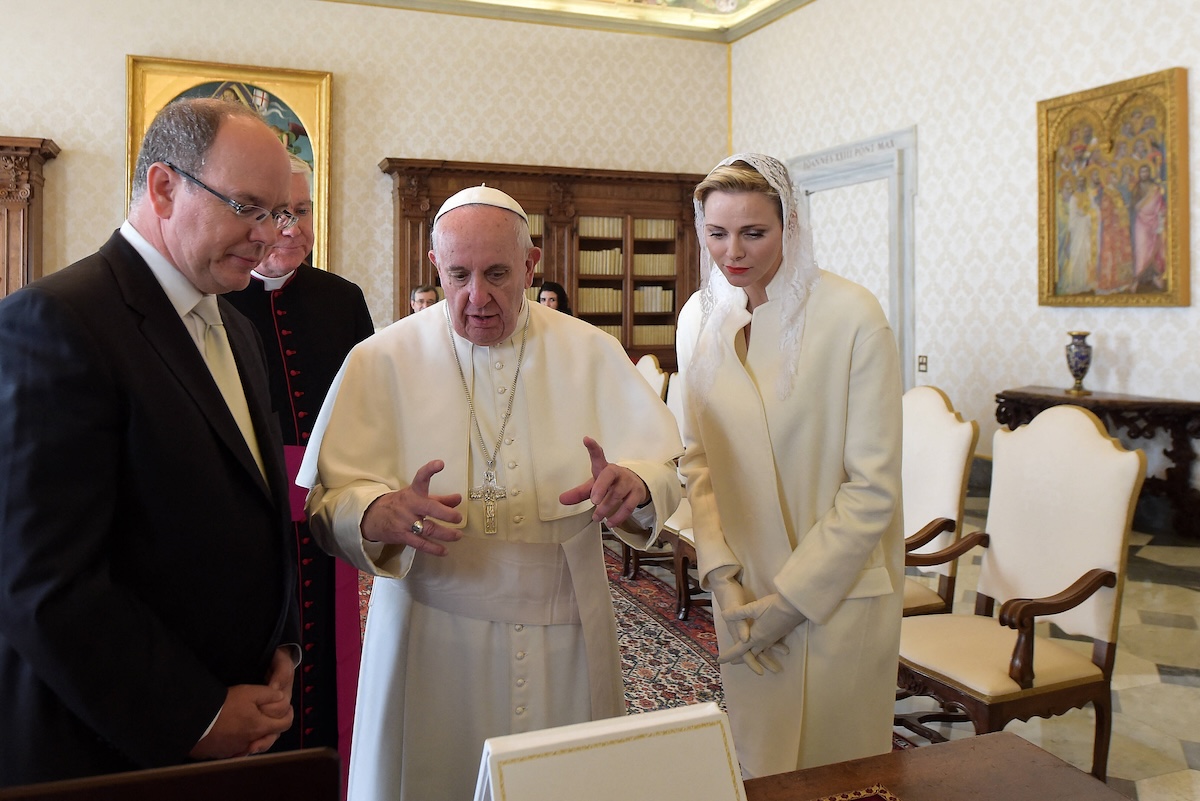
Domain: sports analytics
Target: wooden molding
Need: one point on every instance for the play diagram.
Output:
(21, 182)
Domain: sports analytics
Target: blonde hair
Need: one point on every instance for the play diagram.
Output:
(737, 177)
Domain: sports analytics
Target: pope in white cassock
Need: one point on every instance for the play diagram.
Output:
(462, 458)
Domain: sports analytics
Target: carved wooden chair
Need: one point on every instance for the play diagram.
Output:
(632, 559)
(1062, 500)
(938, 445)
(678, 531)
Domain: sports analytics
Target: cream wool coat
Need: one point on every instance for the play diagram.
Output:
(803, 495)
(488, 640)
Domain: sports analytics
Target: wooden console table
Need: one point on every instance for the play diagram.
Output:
(1142, 418)
(989, 767)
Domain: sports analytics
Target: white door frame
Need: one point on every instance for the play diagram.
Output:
(891, 157)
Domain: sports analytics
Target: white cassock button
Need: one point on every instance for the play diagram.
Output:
(516, 492)
(508, 441)
(520, 655)
(519, 627)
(499, 365)
(520, 710)
(520, 682)
(518, 518)
(512, 465)
(502, 390)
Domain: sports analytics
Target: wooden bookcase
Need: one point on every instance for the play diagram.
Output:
(622, 243)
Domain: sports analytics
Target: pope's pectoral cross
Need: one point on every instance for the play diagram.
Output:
(488, 492)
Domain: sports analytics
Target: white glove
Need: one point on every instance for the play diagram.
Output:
(730, 595)
(773, 619)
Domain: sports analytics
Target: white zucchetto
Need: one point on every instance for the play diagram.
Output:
(482, 195)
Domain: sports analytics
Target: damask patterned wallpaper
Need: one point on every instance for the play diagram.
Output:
(968, 74)
(405, 84)
(850, 231)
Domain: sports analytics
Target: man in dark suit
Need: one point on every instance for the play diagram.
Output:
(146, 598)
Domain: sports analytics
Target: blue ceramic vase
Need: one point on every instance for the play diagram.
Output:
(1079, 359)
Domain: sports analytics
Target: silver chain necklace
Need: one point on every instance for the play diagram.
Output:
(489, 491)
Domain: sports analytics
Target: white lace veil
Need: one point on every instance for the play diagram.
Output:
(792, 285)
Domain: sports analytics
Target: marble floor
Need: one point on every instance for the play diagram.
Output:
(1155, 754)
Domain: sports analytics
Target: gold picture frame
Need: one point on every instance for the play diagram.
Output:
(294, 102)
(1113, 194)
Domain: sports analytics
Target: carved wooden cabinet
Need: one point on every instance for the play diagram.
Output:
(622, 243)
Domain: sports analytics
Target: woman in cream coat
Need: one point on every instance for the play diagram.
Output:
(792, 463)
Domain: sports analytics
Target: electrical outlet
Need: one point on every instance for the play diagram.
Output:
(922, 364)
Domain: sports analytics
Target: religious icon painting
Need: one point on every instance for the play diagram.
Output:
(1113, 194)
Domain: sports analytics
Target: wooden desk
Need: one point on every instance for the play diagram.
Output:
(1142, 418)
(309, 775)
(989, 767)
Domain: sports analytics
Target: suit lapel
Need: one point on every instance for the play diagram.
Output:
(166, 334)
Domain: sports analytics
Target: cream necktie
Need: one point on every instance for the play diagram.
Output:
(219, 357)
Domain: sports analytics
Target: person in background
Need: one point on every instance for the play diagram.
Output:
(462, 457)
(423, 297)
(792, 427)
(553, 295)
(309, 319)
(148, 614)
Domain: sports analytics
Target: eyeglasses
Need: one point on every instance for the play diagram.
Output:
(283, 219)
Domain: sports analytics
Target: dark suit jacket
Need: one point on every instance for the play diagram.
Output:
(144, 564)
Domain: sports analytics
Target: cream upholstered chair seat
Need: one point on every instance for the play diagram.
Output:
(920, 596)
(972, 653)
(1062, 499)
(938, 445)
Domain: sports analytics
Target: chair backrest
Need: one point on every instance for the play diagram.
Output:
(938, 445)
(648, 367)
(1062, 500)
(675, 398)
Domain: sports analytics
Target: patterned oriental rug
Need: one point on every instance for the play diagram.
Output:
(665, 662)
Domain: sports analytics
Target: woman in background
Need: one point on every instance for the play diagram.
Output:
(792, 432)
(554, 296)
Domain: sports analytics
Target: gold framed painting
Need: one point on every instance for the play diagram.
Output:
(1113, 194)
(295, 103)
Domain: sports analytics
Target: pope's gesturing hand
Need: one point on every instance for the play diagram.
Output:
(614, 490)
(405, 517)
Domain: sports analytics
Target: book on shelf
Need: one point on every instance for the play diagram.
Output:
(608, 262)
(653, 229)
(653, 300)
(600, 227)
(598, 300)
(653, 335)
(654, 264)
(613, 330)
